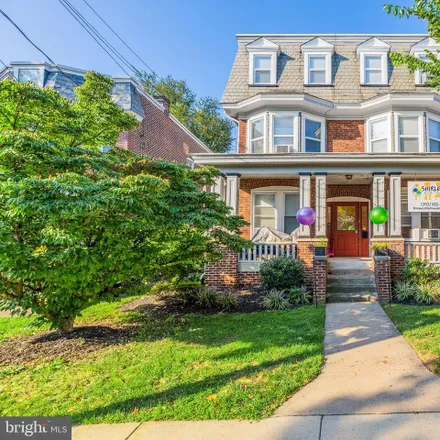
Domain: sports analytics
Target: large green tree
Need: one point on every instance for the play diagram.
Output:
(203, 116)
(76, 223)
(428, 11)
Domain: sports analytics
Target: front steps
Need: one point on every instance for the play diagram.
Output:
(350, 280)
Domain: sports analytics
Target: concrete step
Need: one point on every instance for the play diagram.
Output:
(367, 297)
(350, 291)
(352, 282)
(350, 273)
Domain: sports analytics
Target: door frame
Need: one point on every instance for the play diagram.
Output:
(331, 223)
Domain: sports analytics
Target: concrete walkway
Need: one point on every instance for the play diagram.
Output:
(373, 387)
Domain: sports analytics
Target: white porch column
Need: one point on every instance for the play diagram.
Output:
(395, 220)
(379, 200)
(321, 197)
(232, 192)
(219, 187)
(304, 199)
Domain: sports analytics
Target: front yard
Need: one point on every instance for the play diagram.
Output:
(421, 327)
(193, 367)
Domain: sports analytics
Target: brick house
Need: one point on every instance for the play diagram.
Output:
(159, 134)
(326, 121)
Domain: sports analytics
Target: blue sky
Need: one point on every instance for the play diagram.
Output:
(193, 40)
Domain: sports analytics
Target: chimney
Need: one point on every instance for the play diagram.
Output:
(163, 101)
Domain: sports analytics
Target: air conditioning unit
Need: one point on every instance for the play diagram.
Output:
(431, 234)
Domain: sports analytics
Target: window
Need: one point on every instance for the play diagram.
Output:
(283, 134)
(374, 61)
(317, 69)
(262, 69)
(379, 135)
(256, 136)
(405, 215)
(430, 220)
(276, 209)
(264, 210)
(313, 136)
(373, 69)
(434, 136)
(421, 76)
(408, 134)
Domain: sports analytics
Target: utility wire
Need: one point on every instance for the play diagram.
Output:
(36, 47)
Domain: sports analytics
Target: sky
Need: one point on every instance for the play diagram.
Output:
(192, 40)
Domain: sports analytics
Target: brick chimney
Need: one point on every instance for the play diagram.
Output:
(163, 101)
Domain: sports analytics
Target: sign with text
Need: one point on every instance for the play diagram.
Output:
(424, 196)
(36, 428)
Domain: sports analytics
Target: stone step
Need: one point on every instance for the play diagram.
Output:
(350, 289)
(351, 282)
(351, 298)
(349, 273)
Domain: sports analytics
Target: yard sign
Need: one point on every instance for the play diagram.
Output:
(424, 196)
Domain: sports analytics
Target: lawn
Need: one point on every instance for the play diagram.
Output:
(225, 366)
(421, 327)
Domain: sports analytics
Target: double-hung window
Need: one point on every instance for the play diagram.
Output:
(265, 210)
(434, 135)
(256, 135)
(373, 69)
(408, 134)
(379, 134)
(406, 219)
(317, 69)
(262, 69)
(283, 128)
(430, 220)
(313, 135)
(421, 76)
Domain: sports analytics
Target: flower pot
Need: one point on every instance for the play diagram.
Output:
(380, 252)
(320, 251)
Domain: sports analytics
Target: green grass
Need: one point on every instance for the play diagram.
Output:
(421, 327)
(232, 366)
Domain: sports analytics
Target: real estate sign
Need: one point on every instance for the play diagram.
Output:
(424, 196)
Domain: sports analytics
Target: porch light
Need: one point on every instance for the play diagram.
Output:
(349, 176)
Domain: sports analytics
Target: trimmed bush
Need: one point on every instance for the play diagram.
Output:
(276, 300)
(282, 273)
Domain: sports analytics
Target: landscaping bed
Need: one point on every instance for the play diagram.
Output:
(420, 325)
(130, 366)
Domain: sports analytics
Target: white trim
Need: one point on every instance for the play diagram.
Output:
(280, 195)
(273, 68)
(421, 129)
(368, 139)
(428, 137)
(328, 67)
(383, 68)
(310, 117)
(295, 116)
(248, 137)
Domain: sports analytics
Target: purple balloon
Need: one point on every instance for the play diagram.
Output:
(306, 216)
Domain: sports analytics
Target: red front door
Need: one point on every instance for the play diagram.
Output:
(349, 235)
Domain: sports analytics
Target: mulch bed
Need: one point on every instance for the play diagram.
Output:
(85, 340)
(69, 346)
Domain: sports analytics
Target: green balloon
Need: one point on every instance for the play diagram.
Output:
(378, 215)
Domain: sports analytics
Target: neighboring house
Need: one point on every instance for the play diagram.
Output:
(159, 134)
(327, 121)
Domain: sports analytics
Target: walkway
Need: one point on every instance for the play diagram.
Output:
(373, 387)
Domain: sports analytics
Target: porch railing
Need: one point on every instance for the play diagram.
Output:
(266, 251)
(423, 250)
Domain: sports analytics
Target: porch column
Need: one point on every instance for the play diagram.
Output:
(378, 200)
(219, 187)
(304, 199)
(232, 192)
(321, 197)
(395, 222)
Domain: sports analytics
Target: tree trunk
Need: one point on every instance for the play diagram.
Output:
(68, 325)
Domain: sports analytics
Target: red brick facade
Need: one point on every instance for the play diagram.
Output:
(158, 135)
(242, 136)
(383, 278)
(345, 136)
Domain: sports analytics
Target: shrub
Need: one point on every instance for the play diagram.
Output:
(405, 290)
(424, 294)
(207, 299)
(282, 273)
(276, 300)
(419, 271)
(298, 296)
(188, 291)
(226, 301)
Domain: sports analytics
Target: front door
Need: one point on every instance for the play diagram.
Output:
(349, 229)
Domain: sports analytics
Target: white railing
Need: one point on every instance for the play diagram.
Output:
(266, 251)
(423, 250)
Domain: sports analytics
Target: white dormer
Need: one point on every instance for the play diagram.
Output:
(373, 55)
(317, 62)
(263, 55)
(419, 50)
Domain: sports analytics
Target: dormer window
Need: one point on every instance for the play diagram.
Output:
(420, 76)
(263, 55)
(419, 50)
(317, 62)
(373, 55)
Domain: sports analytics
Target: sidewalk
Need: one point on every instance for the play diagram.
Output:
(373, 386)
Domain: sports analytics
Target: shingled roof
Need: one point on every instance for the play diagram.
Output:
(346, 86)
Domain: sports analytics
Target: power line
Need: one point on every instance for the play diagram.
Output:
(121, 39)
(36, 47)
